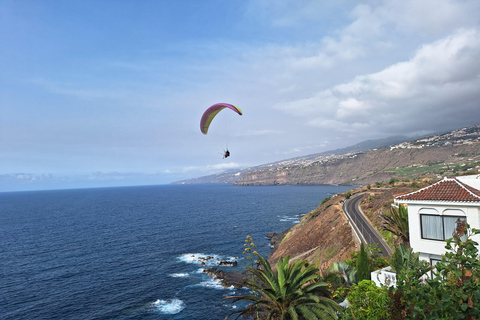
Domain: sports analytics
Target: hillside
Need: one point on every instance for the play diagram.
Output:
(444, 154)
(370, 167)
(324, 235)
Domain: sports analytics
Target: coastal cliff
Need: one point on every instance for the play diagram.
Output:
(365, 168)
(323, 236)
(444, 154)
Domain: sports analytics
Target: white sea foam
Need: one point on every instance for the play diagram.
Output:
(170, 306)
(214, 284)
(289, 219)
(199, 258)
(205, 259)
(179, 275)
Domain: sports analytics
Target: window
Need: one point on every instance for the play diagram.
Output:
(433, 262)
(437, 227)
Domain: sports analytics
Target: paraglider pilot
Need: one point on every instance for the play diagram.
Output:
(226, 154)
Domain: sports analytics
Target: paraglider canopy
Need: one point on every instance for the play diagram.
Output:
(211, 112)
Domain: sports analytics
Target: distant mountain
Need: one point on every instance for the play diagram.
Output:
(372, 144)
(368, 162)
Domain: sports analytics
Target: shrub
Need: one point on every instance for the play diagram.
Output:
(367, 301)
(325, 200)
(392, 181)
(454, 291)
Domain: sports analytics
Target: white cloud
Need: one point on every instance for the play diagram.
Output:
(440, 73)
(429, 16)
(308, 74)
(256, 133)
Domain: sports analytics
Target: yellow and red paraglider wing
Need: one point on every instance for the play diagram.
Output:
(211, 112)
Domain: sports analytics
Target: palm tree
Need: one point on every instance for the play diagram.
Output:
(290, 293)
(397, 223)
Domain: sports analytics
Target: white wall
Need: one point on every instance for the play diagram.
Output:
(434, 248)
(384, 277)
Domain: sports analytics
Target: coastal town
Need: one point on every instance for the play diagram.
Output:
(469, 135)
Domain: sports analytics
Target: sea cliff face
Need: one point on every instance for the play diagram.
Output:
(322, 237)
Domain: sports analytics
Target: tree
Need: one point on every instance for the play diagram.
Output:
(375, 259)
(289, 293)
(363, 270)
(397, 223)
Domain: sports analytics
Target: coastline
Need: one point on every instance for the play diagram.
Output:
(237, 279)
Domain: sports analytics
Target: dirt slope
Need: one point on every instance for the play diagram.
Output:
(324, 235)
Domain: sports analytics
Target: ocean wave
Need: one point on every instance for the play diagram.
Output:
(295, 219)
(179, 275)
(214, 284)
(170, 306)
(206, 259)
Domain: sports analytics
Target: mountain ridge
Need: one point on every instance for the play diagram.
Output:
(366, 162)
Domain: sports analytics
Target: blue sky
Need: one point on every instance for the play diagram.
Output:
(110, 93)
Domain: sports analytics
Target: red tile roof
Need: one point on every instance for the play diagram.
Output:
(448, 189)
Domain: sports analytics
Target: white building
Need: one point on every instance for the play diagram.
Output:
(434, 210)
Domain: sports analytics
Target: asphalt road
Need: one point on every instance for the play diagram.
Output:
(362, 227)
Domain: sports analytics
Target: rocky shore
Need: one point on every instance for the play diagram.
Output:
(322, 237)
(228, 278)
(237, 278)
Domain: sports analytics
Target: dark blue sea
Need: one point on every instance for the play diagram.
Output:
(134, 252)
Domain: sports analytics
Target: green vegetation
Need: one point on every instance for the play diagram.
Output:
(436, 169)
(397, 223)
(367, 301)
(454, 290)
(392, 181)
(325, 200)
(362, 265)
(289, 233)
(291, 292)
(451, 292)
(416, 170)
(298, 290)
(375, 260)
(405, 260)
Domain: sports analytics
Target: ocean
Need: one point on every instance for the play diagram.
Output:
(135, 252)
